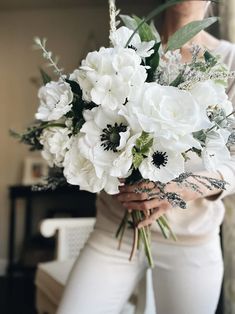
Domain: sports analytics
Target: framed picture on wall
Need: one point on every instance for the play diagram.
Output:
(35, 169)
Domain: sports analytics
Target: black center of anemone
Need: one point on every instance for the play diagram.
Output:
(110, 136)
(159, 159)
(132, 47)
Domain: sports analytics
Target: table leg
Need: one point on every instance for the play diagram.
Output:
(11, 240)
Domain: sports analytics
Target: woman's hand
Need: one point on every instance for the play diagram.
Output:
(152, 207)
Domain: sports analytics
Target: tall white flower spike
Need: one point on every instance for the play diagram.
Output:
(113, 12)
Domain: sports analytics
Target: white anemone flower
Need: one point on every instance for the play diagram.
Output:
(107, 141)
(55, 101)
(216, 152)
(121, 36)
(109, 77)
(78, 170)
(56, 142)
(162, 164)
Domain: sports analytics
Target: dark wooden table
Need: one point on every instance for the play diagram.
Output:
(27, 194)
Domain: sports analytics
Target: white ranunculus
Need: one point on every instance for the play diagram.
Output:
(162, 164)
(107, 141)
(56, 141)
(109, 76)
(215, 152)
(210, 93)
(78, 170)
(55, 101)
(121, 36)
(165, 111)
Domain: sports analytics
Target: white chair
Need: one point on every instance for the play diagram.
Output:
(51, 276)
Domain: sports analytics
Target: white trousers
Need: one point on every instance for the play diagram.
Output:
(186, 279)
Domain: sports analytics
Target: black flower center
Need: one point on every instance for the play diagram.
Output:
(159, 159)
(110, 136)
(132, 47)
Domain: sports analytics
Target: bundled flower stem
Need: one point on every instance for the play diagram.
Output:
(143, 235)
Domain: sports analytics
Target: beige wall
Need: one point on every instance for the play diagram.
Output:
(67, 31)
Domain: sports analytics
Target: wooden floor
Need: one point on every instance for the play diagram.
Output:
(17, 295)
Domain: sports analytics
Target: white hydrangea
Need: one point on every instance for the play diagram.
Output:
(109, 76)
(55, 101)
(78, 170)
(56, 141)
(122, 34)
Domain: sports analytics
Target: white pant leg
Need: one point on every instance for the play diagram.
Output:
(187, 279)
(102, 278)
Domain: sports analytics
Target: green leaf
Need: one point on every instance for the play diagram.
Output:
(151, 15)
(137, 158)
(144, 142)
(145, 31)
(153, 60)
(155, 31)
(187, 32)
(45, 77)
(178, 80)
(209, 58)
(128, 21)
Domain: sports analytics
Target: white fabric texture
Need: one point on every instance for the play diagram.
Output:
(186, 279)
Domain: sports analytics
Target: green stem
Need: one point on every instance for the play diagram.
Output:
(52, 125)
(145, 239)
(162, 227)
(166, 224)
(122, 224)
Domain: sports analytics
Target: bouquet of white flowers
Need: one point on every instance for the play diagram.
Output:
(132, 113)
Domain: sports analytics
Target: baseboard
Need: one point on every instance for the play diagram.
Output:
(3, 267)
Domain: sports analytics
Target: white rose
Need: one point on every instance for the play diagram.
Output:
(55, 101)
(109, 76)
(165, 111)
(78, 170)
(56, 141)
(121, 36)
(162, 164)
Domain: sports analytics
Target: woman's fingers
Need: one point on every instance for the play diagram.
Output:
(152, 218)
(142, 205)
(129, 188)
(127, 197)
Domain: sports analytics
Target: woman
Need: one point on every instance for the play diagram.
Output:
(188, 273)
